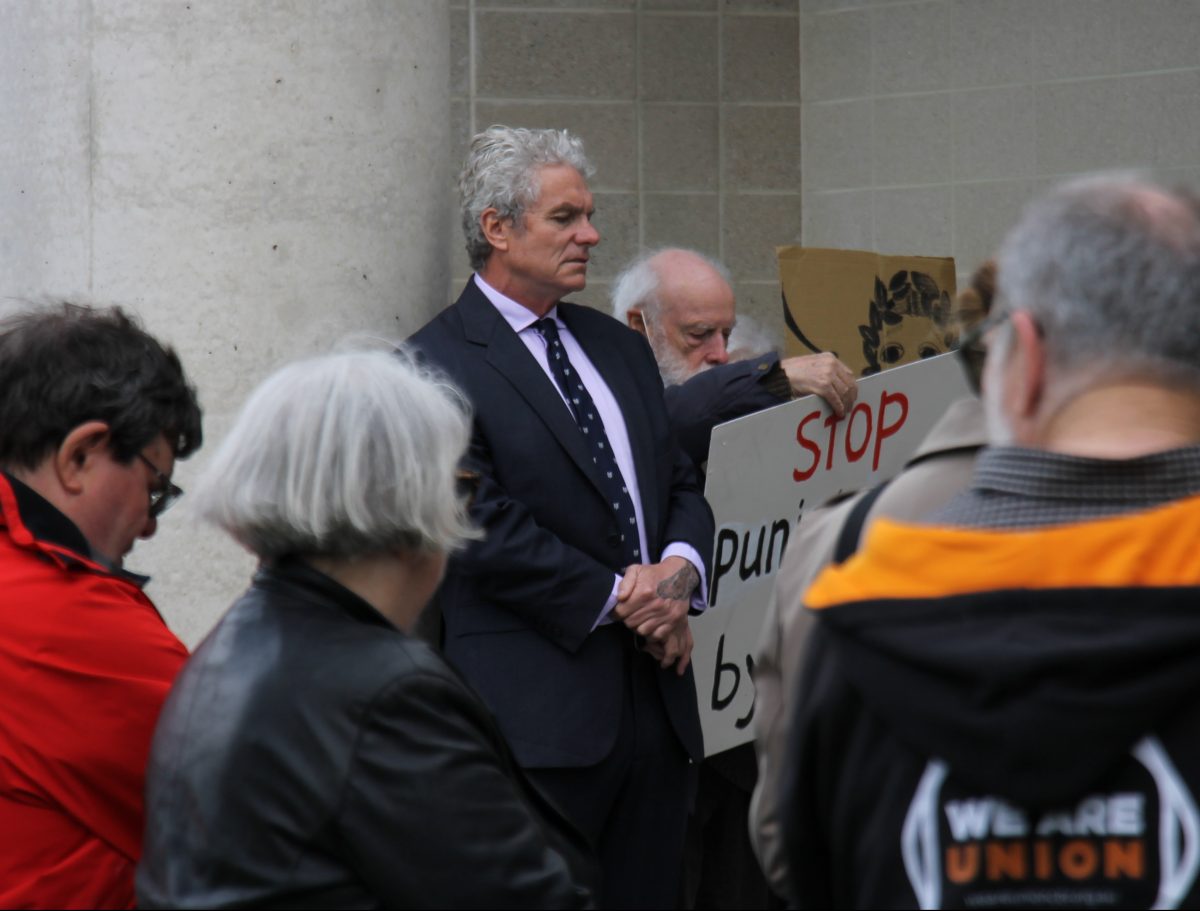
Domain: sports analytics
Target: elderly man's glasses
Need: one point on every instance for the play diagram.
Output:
(162, 496)
(972, 351)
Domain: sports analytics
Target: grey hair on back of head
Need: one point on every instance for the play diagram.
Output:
(344, 455)
(638, 283)
(501, 173)
(1109, 265)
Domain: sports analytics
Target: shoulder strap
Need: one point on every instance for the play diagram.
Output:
(847, 542)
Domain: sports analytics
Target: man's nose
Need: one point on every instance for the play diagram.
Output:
(717, 352)
(587, 235)
(149, 528)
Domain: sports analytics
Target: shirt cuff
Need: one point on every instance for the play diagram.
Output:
(605, 614)
(680, 549)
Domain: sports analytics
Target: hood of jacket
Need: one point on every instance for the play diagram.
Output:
(1031, 662)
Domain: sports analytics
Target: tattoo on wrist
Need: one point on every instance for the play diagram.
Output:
(680, 586)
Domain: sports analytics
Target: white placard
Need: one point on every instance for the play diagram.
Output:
(764, 471)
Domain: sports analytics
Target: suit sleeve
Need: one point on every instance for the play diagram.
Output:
(689, 519)
(428, 780)
(556, 588)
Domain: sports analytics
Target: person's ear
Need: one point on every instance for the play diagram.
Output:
(78, 454)
(496, 228)
(635, 320)
(1028, 360)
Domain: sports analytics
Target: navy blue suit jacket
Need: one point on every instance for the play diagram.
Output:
(717, 395)
(518, 607)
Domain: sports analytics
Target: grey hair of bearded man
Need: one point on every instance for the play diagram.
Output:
(1109, 266)
(501, 173)
(750, 338)
(350, 454)
(638, 284)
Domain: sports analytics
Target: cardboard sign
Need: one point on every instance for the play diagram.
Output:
(873, 311)
(764, 472)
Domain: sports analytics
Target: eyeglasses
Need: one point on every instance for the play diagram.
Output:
(164, 494)
(972, 351)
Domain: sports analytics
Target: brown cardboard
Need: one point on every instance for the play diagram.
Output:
(872, 310)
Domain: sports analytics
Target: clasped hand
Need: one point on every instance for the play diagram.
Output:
(653, 600)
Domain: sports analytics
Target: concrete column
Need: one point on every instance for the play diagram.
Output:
(255, 180)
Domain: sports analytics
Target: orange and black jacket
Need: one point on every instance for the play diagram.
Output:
(1003, 719)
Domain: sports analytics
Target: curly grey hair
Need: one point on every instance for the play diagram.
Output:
(501, 173)
(1109, 266)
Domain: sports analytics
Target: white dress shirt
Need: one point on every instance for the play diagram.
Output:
(522, 320)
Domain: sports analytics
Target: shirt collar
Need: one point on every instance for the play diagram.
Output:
(1149, 479)
(516, 315)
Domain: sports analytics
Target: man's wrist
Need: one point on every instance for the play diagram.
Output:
(775, 381)
(680, 584)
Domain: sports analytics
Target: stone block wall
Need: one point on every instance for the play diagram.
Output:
(927, 125)
(253, 180)
(689, 108)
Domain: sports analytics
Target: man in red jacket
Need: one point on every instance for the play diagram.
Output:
(93, 414)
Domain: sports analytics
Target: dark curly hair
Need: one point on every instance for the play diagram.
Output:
(69, 364)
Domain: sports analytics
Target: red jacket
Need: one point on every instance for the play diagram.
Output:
(85, 664)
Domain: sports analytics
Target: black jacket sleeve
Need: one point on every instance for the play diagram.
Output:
(431, 782)
(721, 394)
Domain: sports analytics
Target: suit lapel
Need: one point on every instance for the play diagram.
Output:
(483, 325)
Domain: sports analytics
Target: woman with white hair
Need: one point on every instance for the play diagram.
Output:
(311, 754)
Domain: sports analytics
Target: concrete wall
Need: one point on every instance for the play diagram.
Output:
(927, 125)
(690, 109)
(256, 180)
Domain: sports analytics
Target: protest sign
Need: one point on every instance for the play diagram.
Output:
(873, 310)
(765, 471)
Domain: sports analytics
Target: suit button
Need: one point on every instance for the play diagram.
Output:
(614, 540)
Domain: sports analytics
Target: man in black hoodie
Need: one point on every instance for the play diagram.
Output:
(1002, 709)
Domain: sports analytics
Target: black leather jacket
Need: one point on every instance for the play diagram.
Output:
(312, 755)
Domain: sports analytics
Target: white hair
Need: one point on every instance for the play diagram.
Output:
(1109, 267)
(750, 338)
(638, 284)
(343, 455)
(501, 173)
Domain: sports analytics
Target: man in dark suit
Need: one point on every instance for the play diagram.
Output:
(570, 618)
(683, 302)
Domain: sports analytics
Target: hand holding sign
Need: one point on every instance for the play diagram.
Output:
(824, 375)
(761, 470)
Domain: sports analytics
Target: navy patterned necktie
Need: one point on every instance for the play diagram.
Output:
(592, 427)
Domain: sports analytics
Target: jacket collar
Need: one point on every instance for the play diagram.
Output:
(43, 521)
(301, 581)
(483, 325)
(34, 522)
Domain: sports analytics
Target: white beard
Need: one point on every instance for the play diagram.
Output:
(672, 366)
